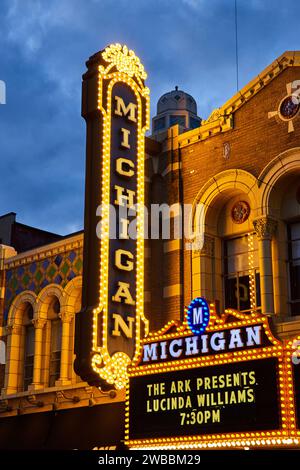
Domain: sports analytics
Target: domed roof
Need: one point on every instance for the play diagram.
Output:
(176, 100)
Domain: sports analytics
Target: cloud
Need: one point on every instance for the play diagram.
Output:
(27, 23)
(44, 46)
(194, 3)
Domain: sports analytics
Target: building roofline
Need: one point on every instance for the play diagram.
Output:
(39, 229)
(7, 214)
(50, 249)
(221, 119)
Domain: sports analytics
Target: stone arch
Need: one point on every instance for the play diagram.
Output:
(70, 306)
(45, 297)
(72, 292)
(18, 305)
(278, 185)
(211, 224)
(45, 319)
(284, 165)
(16, 340)
(216, 191)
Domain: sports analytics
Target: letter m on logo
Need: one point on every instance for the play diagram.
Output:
(197, 316)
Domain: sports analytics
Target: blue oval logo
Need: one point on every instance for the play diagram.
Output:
(198, 315)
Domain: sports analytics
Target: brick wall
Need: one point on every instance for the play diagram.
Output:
(254, 141)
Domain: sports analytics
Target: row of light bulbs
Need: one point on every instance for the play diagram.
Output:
(116, 373)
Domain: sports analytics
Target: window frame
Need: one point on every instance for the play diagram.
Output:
(290, 262)
(54, 355)
(28, 379)
(237, 275)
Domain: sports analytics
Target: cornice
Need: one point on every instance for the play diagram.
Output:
(221, 119)
(45, 251)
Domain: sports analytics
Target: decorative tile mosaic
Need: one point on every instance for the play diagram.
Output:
(58, 269)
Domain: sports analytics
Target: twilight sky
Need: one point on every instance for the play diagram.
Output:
(44, 45)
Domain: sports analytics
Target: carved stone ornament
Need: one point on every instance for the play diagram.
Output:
(38, 322)
(66, 317)
(204, 247)
(289, 107)
(265, 227)
(226, 150)
(214, 116)
(208, 247)
(13, 329)
(240, 212)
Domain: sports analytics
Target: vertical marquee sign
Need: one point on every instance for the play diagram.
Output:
(115, 105)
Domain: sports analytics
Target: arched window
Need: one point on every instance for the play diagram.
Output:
(284, 204)
(29, 348)
(20, 344)
(70, 307)
(293, 230)
(225, 266)
(2, 352)
(241, 273)
(78, 379)
(239, 251)
(280, 200)
(55, 342)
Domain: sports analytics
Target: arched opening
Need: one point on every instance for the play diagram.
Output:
(284, 204)
(20, 344)
(48, 337)
(55, 326)
(71, 306)
(239, 252)
(29, 347)
(279, 199)
(226, 268)
(77, 308)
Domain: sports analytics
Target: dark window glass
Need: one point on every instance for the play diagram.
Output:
(55, 352)
(241, 276)
(257, 286)
(29, 356)
(294, 267)
(159, 124)
(194, 123)
(177, 120)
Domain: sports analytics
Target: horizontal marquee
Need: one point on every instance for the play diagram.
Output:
(240, 395)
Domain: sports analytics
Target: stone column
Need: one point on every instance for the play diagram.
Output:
(39, 324)
(12, 372)
(5, 253)
(202, 275)
(265, 228)
(64, 378)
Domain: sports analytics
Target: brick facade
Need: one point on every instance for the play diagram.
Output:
(239, 153)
